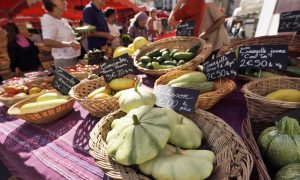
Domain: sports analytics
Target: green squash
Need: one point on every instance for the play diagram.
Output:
(175, 164)
(280, 145)
(136, 97)
(139, 136)
(291, 171)
(186, 134)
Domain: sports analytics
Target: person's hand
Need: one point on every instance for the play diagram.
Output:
(18, 72)
(85, 34)
(110, 37)
(75, 45)
(171, 21)
(204, 35)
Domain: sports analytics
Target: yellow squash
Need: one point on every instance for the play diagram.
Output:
(121, 84)
(288, 95)
(40, 106)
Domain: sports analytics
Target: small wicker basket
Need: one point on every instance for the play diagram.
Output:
(207, 100)
(181, 43)
(44, 116)
(250, 142)
(99, 107)
(233, 159)
(260, 109)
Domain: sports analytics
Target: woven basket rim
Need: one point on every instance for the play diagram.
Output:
(250, 94)
(246, 169)
(196, 60)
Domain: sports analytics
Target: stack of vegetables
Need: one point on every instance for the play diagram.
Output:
(280, 146)
(152, 138)
(166, 58)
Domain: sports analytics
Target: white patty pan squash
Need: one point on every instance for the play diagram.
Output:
(139, 136)
(136, 97)
(186, 134)
(175, 164)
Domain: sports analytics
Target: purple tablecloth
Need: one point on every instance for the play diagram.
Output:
(59, 150)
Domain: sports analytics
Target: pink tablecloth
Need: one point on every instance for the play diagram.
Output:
(58, 150)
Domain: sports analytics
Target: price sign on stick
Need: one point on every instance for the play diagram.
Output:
(117, 68)
(185, 29)
(63, 81)
(263, 57)
(289, 22)
(179, 99)
(218, 68)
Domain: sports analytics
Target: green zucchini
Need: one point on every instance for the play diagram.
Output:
(174, 63)
(153, 53)
(187, 56)
(194, 48)
(202, 87)
(145, 59)
(293, 71)
(156, 65)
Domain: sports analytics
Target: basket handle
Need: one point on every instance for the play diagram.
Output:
(207, 49)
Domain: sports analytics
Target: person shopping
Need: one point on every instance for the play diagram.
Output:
(138, 25)
(150, 24)
(110, 15)
(22, 52)
(59, 35)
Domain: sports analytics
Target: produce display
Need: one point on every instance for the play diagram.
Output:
(81, 68)
(44, 102)
(166, 58)
(280, 144)
(112, 88)
(288, 95)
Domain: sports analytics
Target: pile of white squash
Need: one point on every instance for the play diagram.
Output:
(152, 138)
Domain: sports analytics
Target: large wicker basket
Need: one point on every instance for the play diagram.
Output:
(207, 100)
(99, 107)
(260, 109)
(233, 159)
(44, 116)
(250, 142)
(181, 43)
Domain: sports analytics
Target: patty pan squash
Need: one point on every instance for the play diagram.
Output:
(139, 136)
(175, 164)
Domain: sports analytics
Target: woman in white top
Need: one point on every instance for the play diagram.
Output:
(59, 35)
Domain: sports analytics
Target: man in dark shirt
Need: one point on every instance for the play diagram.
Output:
(92, 14)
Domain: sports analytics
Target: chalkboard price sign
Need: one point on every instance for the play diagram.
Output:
(179, 99)
(63, 81)
(289, 22)
(185, 28)
(218, 68)
(117, 68)
(263, 57)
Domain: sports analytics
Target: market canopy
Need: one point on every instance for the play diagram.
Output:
(27, 9)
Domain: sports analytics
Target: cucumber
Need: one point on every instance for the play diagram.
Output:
(156, 65)
(153, 53)
(187, 56)
(181, 62)
(174, 63)
(194, 77)
(145, 59)
(166, 55)
(160, 59)
(173, 52)
(164, 49)
(194, 48)
(202, 87)
(141, 64)
(149, 66)
(293, 71)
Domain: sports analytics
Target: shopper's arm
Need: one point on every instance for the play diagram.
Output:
(61, 44)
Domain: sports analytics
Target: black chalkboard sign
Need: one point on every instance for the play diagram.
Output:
(263, 57)
(185, 28)
(117, 68)
(292, 114)
(289, 22)
(179, 99)
(218, 68)
(63, 81)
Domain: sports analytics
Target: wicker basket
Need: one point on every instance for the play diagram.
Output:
(44, 116)
(181, 43)
(233, 159)
(250, 142)
(99, 107)
(206, 100)
(260, 109)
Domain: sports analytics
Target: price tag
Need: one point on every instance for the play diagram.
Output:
(292, 114)
(63, 81)
(179, 99)
(263, 57)
(218, 68)
(185, 28)
(117, 68)
(289, 22)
